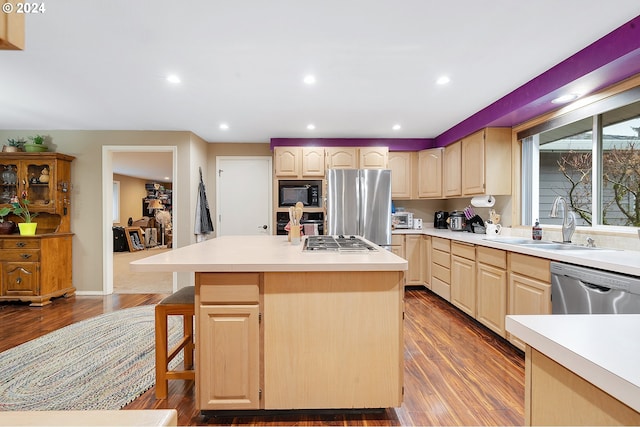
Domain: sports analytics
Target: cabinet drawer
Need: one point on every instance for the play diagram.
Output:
(490, 256)
(19, 243)
(537, 268)
(227, 288)
(440, 272)
(463, 250)
(441, 244)
(22, 255)
(441, 288)
(397, 239)
(441, 258)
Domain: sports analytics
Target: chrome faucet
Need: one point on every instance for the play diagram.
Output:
(568, 218)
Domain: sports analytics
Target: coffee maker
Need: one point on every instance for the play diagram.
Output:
(440, 219)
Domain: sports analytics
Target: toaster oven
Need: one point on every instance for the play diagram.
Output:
(402, 220)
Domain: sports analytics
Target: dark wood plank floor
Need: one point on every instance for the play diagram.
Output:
(456, 371)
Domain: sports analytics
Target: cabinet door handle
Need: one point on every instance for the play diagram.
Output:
(25, 256)
(21, 244)
(18, 280)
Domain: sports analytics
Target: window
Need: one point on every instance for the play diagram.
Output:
(592, 162)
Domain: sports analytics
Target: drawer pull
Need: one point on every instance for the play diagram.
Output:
(25, 256)
(21, 244)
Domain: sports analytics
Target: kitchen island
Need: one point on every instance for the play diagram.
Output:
(580, 369)
(278, 328)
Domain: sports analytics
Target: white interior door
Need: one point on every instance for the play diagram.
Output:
(244, 187)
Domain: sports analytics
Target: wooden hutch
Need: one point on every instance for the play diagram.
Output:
(37, 268)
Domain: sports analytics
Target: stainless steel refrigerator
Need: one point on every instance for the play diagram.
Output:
(359, 203)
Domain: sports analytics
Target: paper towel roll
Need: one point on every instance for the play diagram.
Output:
(483, 201)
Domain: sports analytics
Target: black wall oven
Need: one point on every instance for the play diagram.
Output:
(306, 191)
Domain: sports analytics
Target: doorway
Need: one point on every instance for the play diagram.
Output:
(244, 187)
(107, 202)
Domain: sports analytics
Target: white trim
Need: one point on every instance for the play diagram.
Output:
(107, 205)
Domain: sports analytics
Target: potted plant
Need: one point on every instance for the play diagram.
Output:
(36, 145)
(6, 226)
(21, 208)
(14, 145)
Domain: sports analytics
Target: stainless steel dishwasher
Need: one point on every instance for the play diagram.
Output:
(582, 290)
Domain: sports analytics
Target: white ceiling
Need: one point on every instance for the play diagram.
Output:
(102, 65)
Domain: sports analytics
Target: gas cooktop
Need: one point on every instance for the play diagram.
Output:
(337, 243)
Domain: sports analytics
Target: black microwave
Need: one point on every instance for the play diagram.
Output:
(291, 192)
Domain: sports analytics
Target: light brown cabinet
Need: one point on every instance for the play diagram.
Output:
(441, 267)
(12, 29)
(228, 337)
(415, 258)
(397, 245)
(486, 162)
(299, 162)
(356, 158)
(529, 288)
(341, 158)
(403, 171)
(430, 173)
(463, 277)
(452, 170)
(492, 288)
(373, 158)
(37, 268)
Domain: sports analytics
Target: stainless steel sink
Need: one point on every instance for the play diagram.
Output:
(542, 244)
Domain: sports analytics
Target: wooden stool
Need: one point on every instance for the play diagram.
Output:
(180, 303)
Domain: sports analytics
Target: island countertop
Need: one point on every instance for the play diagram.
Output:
(603, 349)
(266, 254)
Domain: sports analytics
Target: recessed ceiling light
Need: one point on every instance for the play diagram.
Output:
(224, 126)
(443, 80)
(309, 79)
(311, 126)
(172, 78)
(565, 98)
(396, 127)
(167, 178)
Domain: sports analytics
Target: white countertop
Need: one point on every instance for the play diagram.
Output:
(627, 262)
(603, 349)
(265, 253)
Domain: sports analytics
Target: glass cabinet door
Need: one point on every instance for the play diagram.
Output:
(38, 178)
(8, 181)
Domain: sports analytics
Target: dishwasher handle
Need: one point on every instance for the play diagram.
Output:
(594, 288)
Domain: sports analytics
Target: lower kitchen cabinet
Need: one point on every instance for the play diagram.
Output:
(463, 277)
(441, 267)
(492, 288)
(229, 341)
(36, 268)
(415, 258)
(529, 288)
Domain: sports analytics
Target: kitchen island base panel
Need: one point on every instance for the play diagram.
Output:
(556, 396)
(333, 340)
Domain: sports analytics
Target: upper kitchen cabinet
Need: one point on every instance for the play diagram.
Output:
(373, 158)
(452, 170)
(299, 162)
(341, 158)
(357, 158)
(403, 169)
(486, 162)
(430, 173)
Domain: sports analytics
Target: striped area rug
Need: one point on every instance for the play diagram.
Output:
(100, 363)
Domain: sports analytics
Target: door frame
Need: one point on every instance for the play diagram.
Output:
(107, 205)
(270, 207)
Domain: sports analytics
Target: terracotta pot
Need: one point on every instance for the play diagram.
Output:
(27, 228)
(9, 149)
(7, 227)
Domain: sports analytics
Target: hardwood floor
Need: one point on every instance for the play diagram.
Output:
(457, 372)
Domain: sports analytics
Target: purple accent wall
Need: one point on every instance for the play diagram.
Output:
(608, 60)
(394, 144)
